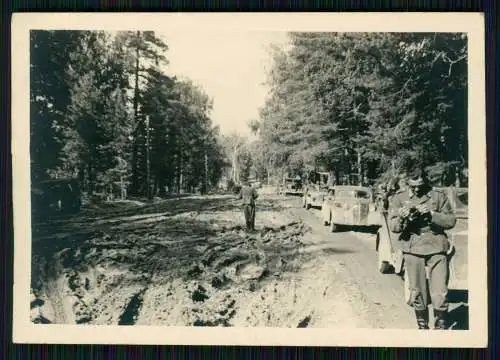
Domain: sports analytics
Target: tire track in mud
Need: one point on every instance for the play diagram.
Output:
(106, 275)
(230, 266)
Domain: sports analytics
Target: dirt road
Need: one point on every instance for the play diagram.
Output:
(187, 261)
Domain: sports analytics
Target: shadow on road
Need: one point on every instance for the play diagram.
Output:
(459, 316)
(338, 251)
(359, 229)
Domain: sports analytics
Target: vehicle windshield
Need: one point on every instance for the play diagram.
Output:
(360, 194)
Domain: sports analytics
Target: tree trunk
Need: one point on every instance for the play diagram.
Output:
(160, 182)
(122, 188)
(360, 170)
(81, 174)
(135, 185)
(457, 176)
(90, 179)
(180, 185)
(136, 82)
(148, 165)
(206, 173)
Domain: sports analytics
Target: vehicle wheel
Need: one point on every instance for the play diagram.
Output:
(384, 267)
(308, 206)
(333, 227)
(329, 221)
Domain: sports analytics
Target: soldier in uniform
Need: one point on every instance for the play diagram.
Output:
(420, 215)
(385, 193)
(248, 194)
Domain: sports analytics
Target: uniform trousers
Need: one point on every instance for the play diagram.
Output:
(437, 289)
(249, 211)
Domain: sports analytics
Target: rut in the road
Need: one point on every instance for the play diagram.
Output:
(232, 264)
(110, 278)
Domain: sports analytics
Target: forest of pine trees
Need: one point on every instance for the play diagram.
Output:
(368, 103)
(100, 100)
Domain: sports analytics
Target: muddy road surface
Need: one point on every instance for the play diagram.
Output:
(188, 262)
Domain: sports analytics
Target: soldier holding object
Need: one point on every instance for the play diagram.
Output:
(421, 214)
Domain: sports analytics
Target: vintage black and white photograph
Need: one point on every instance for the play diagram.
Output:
(251, 178)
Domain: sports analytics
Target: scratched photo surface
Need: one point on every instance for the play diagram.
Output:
(251, 178)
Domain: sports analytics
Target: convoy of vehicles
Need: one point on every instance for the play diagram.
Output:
(344, 205)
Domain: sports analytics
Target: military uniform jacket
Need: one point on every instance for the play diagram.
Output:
(426, 238)
(248, 195)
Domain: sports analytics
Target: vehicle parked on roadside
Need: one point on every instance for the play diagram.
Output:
(56, 196)
(350, 206)
(291, 186)
(314, 197)
(318, 187)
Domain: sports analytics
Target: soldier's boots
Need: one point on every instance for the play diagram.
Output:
(440, 322)
(422, 319)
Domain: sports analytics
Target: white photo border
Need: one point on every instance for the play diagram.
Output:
(24, 331)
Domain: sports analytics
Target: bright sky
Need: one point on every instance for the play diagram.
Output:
(230, 66)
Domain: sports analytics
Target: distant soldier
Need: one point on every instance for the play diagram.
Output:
(248, 194)
(385, 193)
(402, 183)
(379, 197)
(420, 215)
(392, 189)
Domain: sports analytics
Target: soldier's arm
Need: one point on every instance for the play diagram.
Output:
(444, 216)
(395, 221)
(255, 195)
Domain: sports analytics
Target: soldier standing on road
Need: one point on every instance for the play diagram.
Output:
(248, 194)
(421, 214)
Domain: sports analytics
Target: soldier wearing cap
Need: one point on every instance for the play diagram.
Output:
(420, 215)
(386, 192)
(248, 194)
